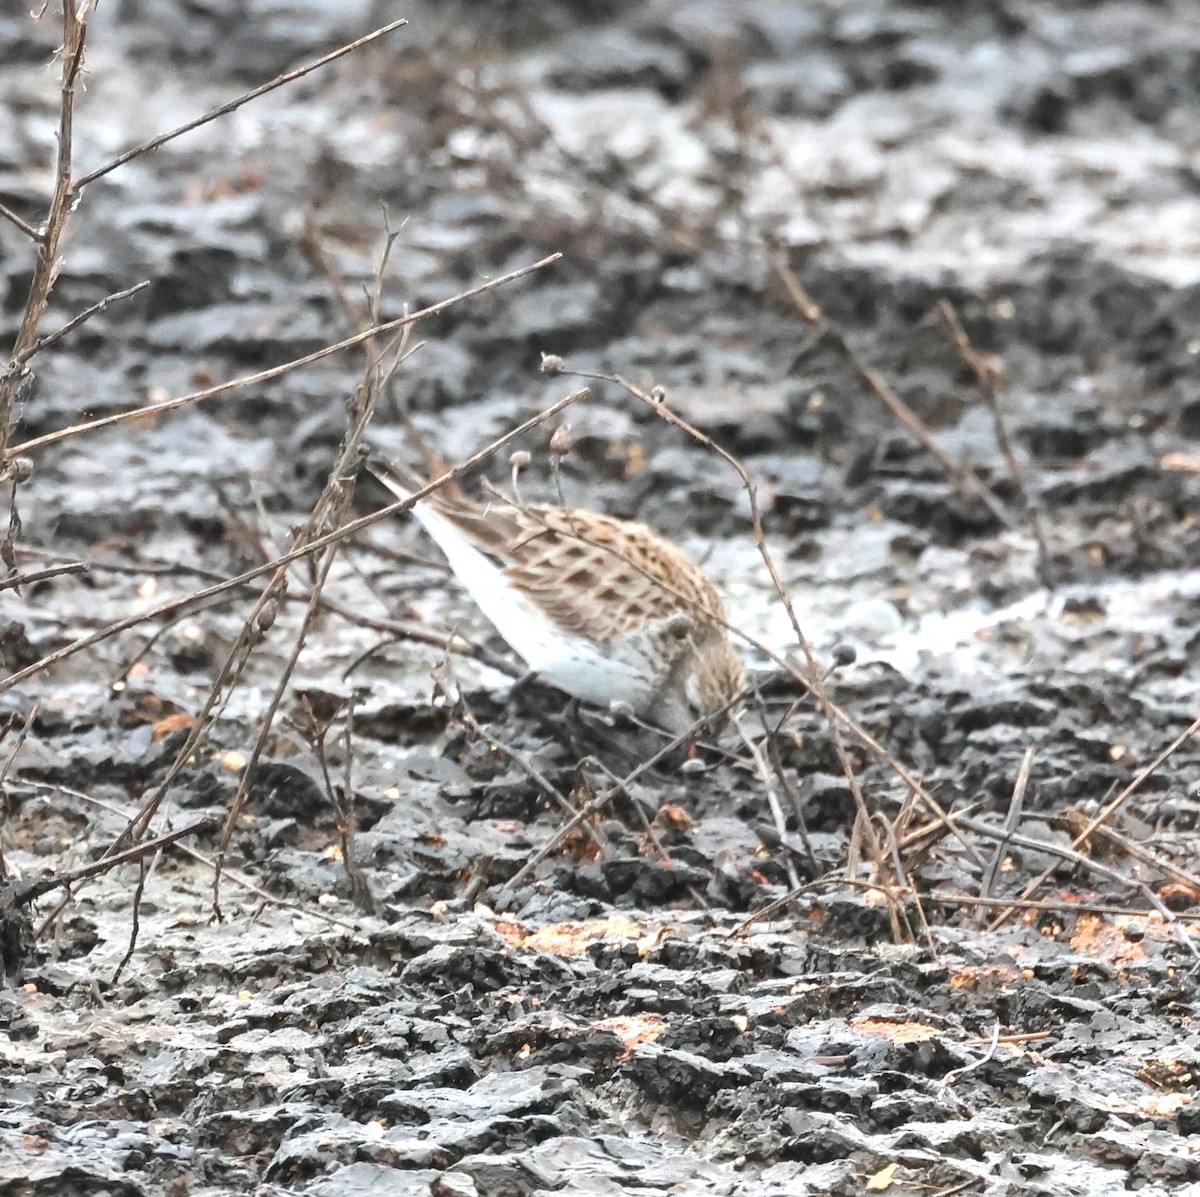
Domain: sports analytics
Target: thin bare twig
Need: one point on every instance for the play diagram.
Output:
(8, 764)
(349, 529)
(20, 893)
(200, 857)
(397, 630)
(964, 479)
(46, 264)
(330, 506)
(41, 575)
(1105, 814)
(28, 229)
(71, 325)
(811, 686)
(135, 922)
(248, 380)
(1048, 906)
(1166, 867)
(156, 142)
(773, 803)
(987, 375)
(1011, 823)
(1032, 844)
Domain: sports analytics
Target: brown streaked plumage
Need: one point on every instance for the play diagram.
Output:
(606, 609)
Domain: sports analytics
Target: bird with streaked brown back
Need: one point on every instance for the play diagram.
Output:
(605, 609)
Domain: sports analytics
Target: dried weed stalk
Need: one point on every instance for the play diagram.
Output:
(809, 311)
(1103, 817)
(812, 680)
(987, 374)
(323, 533)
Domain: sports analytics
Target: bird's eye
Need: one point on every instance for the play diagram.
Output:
(678, 626)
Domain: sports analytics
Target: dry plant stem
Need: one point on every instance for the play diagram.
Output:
(954, 1190)
(137, 570)
(24, 892)
(330, 508)
(172, 606)
(988, 378)
(396, 633)
(268, 720)
(71, 325)
(1065, 908)
(1032, 844)
(814, 683)
(537, 776)
(776, 808)
(360, 887)
(786, 900)
(236, 658)
(903, 880)
(829, 881)
(1011, 822)
(207, 861)
(1023, 1037)
(227, 676)
(135, 923)
(28, 229)
(313, 248)
(793, 801)
(451, 642)
(46, 264)
(929, 833)
(602, 800)
(248, 380)
(41, 575)
(245, 883)
(902, 931)
(1105, 814)
(156, 142)
(22, 735)
(399, 557)
(811, 314)
(1166, 867)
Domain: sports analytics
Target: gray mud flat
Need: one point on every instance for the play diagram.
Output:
(615, 1022)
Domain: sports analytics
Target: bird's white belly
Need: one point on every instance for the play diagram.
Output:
(572, 663)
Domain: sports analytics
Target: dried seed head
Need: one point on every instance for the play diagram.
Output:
(520, 459)
(844, 654)
(560, 442)
(679, 625)
(268, 615)
(658, 394)
(552, 364)
(20, 469)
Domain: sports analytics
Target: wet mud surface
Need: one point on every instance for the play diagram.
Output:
(439, 1019)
